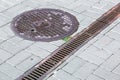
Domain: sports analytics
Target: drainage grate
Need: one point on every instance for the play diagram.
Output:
(44, 24)
(41, 70)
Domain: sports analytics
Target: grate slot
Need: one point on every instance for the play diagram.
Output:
(108, 18)
(96, 27)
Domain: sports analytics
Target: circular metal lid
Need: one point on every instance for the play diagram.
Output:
(44, 24)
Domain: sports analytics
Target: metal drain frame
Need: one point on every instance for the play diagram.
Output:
(65, 51)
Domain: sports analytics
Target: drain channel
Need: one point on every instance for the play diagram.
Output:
(45, 67)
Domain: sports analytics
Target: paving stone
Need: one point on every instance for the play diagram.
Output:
(91, 58)
(97, 10)
(100, 4)
(4, 35)
(18, 58)
(4, 20)
(115, 1)
(5, 4)
(117, 70)
(85, 71)
(116, 29)
(14, 1)
(92, 14)
(26, 43)
(108, 6)
(4, 77)
(111, 63)
(81, 8)
(16, 10)
(32, 3)
(15, 40)
(104, 41)
(2, 8)
(4, 55)
(62, 75)
(38, 51)
(98, 52)
(113, 35)
(52, 78)
(86, 22)
(63, 3)
(10, 47)
(73, 66)
(10, 70)
(7, 30)
(112, 48)
(58, 43)
(93, 77)
(46, 46)
(80, 28)
(28, 63)
(1, 61)
(107, 75)
(81, 17)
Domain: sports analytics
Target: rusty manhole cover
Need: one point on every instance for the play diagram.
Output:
(44, 24)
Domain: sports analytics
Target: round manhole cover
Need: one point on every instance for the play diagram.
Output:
(44, 24)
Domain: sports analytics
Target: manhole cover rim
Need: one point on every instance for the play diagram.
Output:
(74, 21)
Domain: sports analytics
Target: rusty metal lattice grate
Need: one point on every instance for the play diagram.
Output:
(44, 24)
(45, 67)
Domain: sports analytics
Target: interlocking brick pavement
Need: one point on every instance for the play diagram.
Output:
(97, 60)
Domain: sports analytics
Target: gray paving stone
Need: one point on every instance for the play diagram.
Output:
(28, 63)
(104, 41)
(4, 20)
(112, 48)
(5, 77)
(93, 77)
(98, 52)
(52, 78)
(58, 43)
(7, 29)
(62, 75)
(16, 10)
(4, 55)
(100, 4)
(114, 35)
(107, 75)
(38, 51)
(73, 66)
(81, 8)
(5, 4)
(91, 58)
(85, 71)
(10, 47)
(117, 70)
(86, 22)
(15, 40)
(10, 70)
(116, 29)
(46, 46)
(92, 14)
(18, 58)
(111, 63)
(32, 3)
